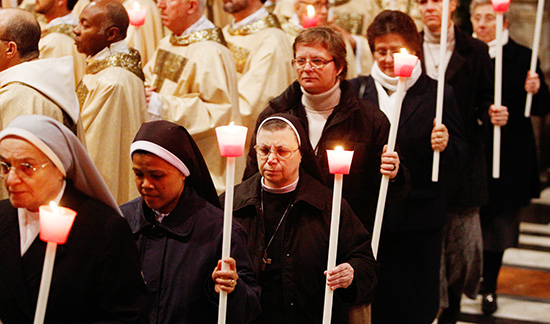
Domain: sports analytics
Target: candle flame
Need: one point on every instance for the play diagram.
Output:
(310, 11)
(54, 207)
(404, 51)
(231, 123)
(339, 148)
(136, 6)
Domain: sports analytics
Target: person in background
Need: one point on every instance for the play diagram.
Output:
(287, 215)
(96, 275)
(177, 223)
(519, 178)
(410, 246)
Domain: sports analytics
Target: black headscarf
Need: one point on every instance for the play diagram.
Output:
(309, 162)
(172, 143)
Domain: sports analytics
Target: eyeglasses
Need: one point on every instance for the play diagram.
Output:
(23, 169)
(383, 52)
(281, 152)
(316, 63)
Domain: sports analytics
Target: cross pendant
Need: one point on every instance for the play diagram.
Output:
(265, 261)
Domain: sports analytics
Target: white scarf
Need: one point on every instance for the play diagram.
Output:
(493, 44)
(386, 101)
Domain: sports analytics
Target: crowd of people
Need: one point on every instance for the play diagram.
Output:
(118, 123)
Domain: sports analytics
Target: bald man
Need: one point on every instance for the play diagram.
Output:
(111, 93)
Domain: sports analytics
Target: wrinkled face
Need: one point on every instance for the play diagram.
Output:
(231, 6)
(91, 32)
(320, 6)
(158, 182)
(431, 12)
(384, 48)
(276, 171)
(316, 80)
(174, 14)
(29, 188)
(43, 6)
(484, 22)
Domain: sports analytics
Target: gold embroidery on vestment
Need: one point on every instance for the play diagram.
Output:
(130, 62)
(66, 29)
(168, 66)
(269, 21)
(213, 34)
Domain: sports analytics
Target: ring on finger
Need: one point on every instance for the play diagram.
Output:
(233, 283)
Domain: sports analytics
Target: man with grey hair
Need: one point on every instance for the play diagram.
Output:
(111, 93)
(193, 79)
(28, 85)
(519, 178)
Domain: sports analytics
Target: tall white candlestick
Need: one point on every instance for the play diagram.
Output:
(330, 15)
(535, 54)
(498, 95)
(441, 82)
(227, 222)
(385, 179)
(45, 283)
(333, 242)
(137, 39)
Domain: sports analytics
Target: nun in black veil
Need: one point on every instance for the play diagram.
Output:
(286, 213)
(178, 224)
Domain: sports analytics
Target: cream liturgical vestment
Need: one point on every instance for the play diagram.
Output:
(58, 40)
(197, 88)
(113, 107)
(263, 56)
(149, 34)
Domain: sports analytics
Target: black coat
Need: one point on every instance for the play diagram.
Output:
(304, 249)
(424, 207)
(96, 276)
(519, 172)
(179, 255)
(471, 75)
(355, 125)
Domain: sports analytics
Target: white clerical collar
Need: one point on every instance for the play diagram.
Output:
(114, 48)
(201, 24)
(259, 14)
(493, 44)
(69, 19)
(286, 189)
(29, 225)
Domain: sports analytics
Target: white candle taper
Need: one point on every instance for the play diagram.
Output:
(227, 224)
(441, 82)
(535, 54)
(330, 15)
(339, 164)
(45, 282)
(498, 95)
(379, 217)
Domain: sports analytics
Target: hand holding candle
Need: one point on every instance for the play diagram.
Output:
(55, 225)
(309, 19)
(339, 163)
(231, 140)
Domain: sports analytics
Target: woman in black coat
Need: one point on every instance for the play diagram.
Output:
(410, 246)
(519, 171)
(287, 215)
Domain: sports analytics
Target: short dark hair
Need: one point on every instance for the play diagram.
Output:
(23, 29)
(395, 22)
(116, 16)
(330, 39)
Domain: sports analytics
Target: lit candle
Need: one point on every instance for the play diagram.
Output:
(55, 225)
(440, 83)
(309, 19)
(403, 65)
(535, 53)
(339, 163)
(231, 140)
(137, 14)
(499, 6)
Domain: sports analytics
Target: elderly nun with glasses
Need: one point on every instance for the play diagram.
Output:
(96, 275)
(286, 213)
(178, 225)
